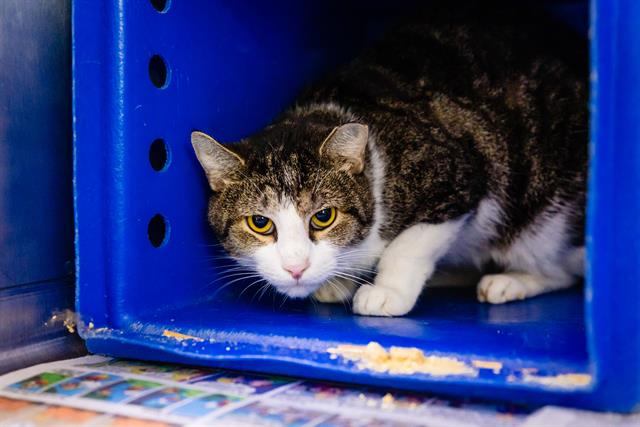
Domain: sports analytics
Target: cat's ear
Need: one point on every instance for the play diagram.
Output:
(219, 163)
(346, 145)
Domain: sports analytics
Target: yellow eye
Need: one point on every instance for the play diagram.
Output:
(323, 218)
(260, 224)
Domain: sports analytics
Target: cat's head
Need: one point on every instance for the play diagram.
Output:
(291, 203)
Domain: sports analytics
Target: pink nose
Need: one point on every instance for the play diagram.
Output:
(297, 269)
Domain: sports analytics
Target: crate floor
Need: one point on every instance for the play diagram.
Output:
(536, 332)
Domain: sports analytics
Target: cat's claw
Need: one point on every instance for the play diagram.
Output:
(380, 301)
(500, 288)
(338, 290)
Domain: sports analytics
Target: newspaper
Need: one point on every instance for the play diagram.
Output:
(99, 391)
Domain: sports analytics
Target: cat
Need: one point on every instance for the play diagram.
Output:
(460, 138)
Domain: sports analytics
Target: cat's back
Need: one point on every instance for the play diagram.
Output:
(467, 51)
(487, 99)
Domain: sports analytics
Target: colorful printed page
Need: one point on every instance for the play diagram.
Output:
(98, 391)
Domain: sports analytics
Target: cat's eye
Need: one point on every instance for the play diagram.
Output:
(323, 218)
(260, 224)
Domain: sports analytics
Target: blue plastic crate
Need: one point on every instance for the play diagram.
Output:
(147, 73)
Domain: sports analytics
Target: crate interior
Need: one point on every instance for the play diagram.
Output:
(545, 332)
(151, 264)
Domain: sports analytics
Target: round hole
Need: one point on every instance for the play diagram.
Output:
(158, 231)
(158, 71)
(160, 5)
(159, 155)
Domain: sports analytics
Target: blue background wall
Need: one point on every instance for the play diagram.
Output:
(36, 204)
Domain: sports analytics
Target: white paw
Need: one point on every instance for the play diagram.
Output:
(380, 301)
(500, 288)
(337, 290)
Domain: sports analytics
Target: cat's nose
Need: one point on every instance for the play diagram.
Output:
(296, 270)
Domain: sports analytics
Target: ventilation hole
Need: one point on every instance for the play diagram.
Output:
(158, 72)
(158, 231)
(159, 155)
(160, 5)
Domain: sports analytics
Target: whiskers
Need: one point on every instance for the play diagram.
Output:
(261, 291)
(232, 273)
(359, 280)
(358, 255)
(356, 265)
(240, 276)
(339, 289)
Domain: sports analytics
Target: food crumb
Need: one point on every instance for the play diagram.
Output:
(401, 360)
(180, 337)
(387, 399)
(70, 325)
(67, 317)
(560, 381)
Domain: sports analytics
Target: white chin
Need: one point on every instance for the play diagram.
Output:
(296, 291)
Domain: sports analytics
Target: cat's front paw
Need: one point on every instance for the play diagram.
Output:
(380, 301)
(500, 288)
(336, 290)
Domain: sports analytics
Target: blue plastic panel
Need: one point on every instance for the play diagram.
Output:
(231, 67)
(36, 205)
(613, 300)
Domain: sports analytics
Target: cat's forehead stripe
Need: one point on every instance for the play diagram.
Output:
(298, 204)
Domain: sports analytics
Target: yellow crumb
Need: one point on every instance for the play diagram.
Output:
(401, 360)
(67, 317)
(496, 367)
(560, 381)
(407, 353)
(70, 325)
(178, 336)
(387, 399)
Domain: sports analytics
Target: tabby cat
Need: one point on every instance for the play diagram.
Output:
(460, 137)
